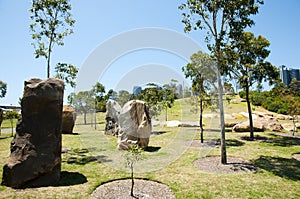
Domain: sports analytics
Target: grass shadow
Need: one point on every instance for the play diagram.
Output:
(158, 132)
(283, 140)
(234, 142)
(256, 138)
(71, 178)
(152, 148)
(81, 156)
(282, 167)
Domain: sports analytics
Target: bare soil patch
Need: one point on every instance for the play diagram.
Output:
(234, 165)
(142, 189)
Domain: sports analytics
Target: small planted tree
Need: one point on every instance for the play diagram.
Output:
(11, 115)
(52, 22)
(132, 156)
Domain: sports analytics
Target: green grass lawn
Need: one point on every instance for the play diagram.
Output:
(94, 160)
(6, 124)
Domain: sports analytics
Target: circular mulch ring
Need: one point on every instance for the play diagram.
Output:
(142, 189)
(234, 165)
(296, 156)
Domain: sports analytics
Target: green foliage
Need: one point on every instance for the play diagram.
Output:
(3, 89)
(257, 98)
(242, 94)
(124, 96)
(11, 115)
(66, 72)
(157, 98)
(132, 156)
(223, 20)
(100, 99)
(246, 57)
(52, 22)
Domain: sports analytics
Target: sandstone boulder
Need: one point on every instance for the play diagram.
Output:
(245, 127)
(230, 124)
(259, 125)
(134, 125)
(35, 158)
(68, 119)
(288, 126)
(113, 110)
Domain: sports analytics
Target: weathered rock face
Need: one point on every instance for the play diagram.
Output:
(134, 125)
(68, 119)
(113, 110)
(35, 158)
(245, 127)
(259, 125)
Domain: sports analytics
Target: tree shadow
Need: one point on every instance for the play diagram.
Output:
(152, 148)
(158, 132)
(256, 138)
(80, 156)
(283, 140)
(282, 167)
(234, 142)
(71, 178)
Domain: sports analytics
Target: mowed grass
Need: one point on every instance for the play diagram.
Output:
(93, 160)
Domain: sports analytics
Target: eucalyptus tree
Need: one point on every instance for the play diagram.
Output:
(223, 20)
(52, 22)
(247, 57)
(201, 70)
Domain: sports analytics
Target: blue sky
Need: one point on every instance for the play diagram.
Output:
(97, 21)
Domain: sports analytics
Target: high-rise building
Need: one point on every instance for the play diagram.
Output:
(287, 74)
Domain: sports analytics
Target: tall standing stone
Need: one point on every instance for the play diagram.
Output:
(134, 125)
(113, 110)
(35, 158)
(68, 119)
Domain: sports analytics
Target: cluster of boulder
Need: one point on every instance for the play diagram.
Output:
(262, 121)
(131, 124)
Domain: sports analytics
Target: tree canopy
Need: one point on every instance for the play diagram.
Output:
(52, 22)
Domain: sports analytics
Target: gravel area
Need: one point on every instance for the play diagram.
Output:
(120, 189)
(234, 165)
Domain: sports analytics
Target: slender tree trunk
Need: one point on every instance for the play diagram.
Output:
(91, 118)
(48, 57)
(222, 121)
(166, 114)
(294, 123)
(95, 118)
(132, 180)
(250, 113)
(200, 118)
(84, 117)
(12, 127)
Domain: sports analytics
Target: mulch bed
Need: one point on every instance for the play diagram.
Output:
(142, 189)
(234, 165)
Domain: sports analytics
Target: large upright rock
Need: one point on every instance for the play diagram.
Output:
(134, 125)
(35, 158)
(68, 119)
(113, 110)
